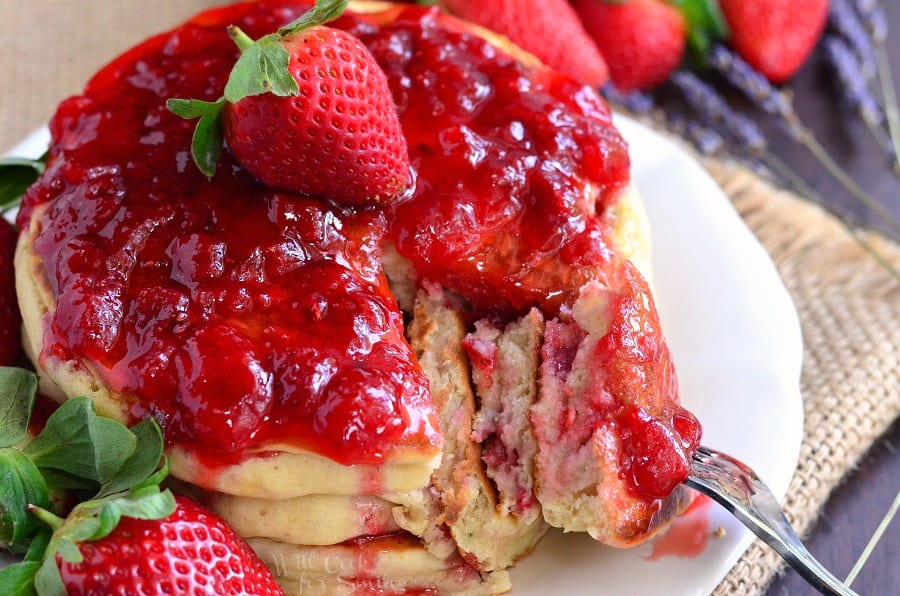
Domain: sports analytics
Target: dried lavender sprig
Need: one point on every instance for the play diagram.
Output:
(846, 65)
(739, 73)
(707, 102)
(876, 23)
(749, 80)
(846, 21)
(704, 139)
(874, 18)
(637, 102)
(713, 109)
(892, 112)
(800, 186)
(856, 92)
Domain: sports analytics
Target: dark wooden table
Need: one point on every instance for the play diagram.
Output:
(857, 507)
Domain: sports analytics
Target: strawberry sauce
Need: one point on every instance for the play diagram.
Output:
(237, 315)
(513, 163)
(243, 317)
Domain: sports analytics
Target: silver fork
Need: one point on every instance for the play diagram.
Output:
(737, 488)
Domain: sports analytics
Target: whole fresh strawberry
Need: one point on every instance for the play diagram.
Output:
(10, 319)
(775, 36)
(307, 109)
(549, 29)
(82, 503)
(190, 551)
(642, 41)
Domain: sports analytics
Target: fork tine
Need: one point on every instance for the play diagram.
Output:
(736, 487)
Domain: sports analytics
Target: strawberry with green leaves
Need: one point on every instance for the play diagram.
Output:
(775, 36)
(126, 536)
(306, 109)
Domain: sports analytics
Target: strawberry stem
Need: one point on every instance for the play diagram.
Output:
(323, 12)
(241, 39)
(51, 519)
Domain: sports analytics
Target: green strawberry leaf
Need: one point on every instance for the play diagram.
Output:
(22, 485)
(16, 175)
(142, 463)
(207, 142)
(77, 441)
(261, 68)
(206, 145)
(47, 580)
(18, 388)
(705, 24)
(38, 545)
(149, 506)
(18, 579)
(68, 551)
(57, 479)
(323, 12)
(93, 520)
(193, 108)
(154, 480)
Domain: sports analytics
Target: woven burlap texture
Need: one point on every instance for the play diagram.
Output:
(849, 309)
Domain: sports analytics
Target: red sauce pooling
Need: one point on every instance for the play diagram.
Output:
(689, 534)
(237, 315)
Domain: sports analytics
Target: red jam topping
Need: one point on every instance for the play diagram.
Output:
(513, 163)
(658, 435)
(239, 316)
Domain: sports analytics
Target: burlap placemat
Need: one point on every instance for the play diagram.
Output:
(849, 307)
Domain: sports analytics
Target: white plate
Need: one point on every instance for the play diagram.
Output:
(736, 340)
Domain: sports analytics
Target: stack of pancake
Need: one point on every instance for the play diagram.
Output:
(438, 474)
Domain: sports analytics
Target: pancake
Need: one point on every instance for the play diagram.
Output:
(605, 462)
(386, 396)
(393, 564)
(311, 520)
(487, 535)
(277, 471)
(504, 365)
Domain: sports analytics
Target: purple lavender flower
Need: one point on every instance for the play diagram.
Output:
(714, 110)
(846, 21)
(874, 18)
(750, 82)
(636, 102)
(856, 92)
(704, 138)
